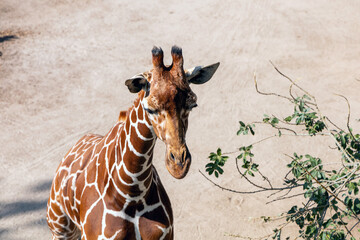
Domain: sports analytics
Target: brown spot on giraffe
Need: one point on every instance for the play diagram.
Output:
(106, 186)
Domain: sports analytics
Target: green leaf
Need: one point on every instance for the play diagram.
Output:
(288, 119)
(351, 186)
(300, 222)
(306, 97)
(308, 194)
(356, 190)
(220, 170)
(242, 123)
(335, 216)
(298, 121)
(328, 223)
(356, 206)
(301, 106)
(209, 165)
(310, 229)
(251, 131)
(274, 121)
(349, 202)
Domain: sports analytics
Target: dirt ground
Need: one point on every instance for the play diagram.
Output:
(62, 74)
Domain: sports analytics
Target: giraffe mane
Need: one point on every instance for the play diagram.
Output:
(123, 115)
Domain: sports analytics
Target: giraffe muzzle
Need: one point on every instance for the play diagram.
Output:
(178, 161)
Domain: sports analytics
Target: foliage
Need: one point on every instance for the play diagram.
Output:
(244, 129)
(216, 164)
(330, 206)
(246, 155)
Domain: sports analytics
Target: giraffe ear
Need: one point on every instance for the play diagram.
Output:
(137, 83)
(200, 75)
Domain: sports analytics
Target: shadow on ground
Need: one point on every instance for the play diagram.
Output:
(21, 207)
(28, 209)
(7, 38)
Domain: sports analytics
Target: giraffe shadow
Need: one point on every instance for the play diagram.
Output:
(8, 38)
(25, 208)
(20, 207)
(43, 186)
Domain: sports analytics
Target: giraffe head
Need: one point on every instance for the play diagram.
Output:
(168, 100)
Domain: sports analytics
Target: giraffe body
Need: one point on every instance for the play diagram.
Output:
(106, 186)
(84, 194)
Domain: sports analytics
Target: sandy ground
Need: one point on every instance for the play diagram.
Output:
(62, 74)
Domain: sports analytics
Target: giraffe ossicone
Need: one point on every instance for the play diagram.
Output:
(106, 186)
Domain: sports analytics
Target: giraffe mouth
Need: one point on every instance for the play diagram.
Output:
(178, 162)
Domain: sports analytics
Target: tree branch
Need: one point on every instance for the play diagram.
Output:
(267, 94)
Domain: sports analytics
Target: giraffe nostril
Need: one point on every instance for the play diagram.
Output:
(183, 156)
(172, 157)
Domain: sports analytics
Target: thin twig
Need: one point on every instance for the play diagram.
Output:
(345, 153)
(267, 94)
(265, 178)
(348, 117)
(290, 92)
(228, 189)
(274, 193)
(307, 103)
(287, 129)
(334, 124)
(262, 140)
(259, 238)
(288, 123)
(261, 187)
(292, 81)
(285, 197)
(349, 231)
(320, 222)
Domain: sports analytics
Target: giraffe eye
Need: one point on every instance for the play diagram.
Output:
(151, 111)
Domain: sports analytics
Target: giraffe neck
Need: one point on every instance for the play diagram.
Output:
(134, 154)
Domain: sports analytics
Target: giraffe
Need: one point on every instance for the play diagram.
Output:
(106, 187)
